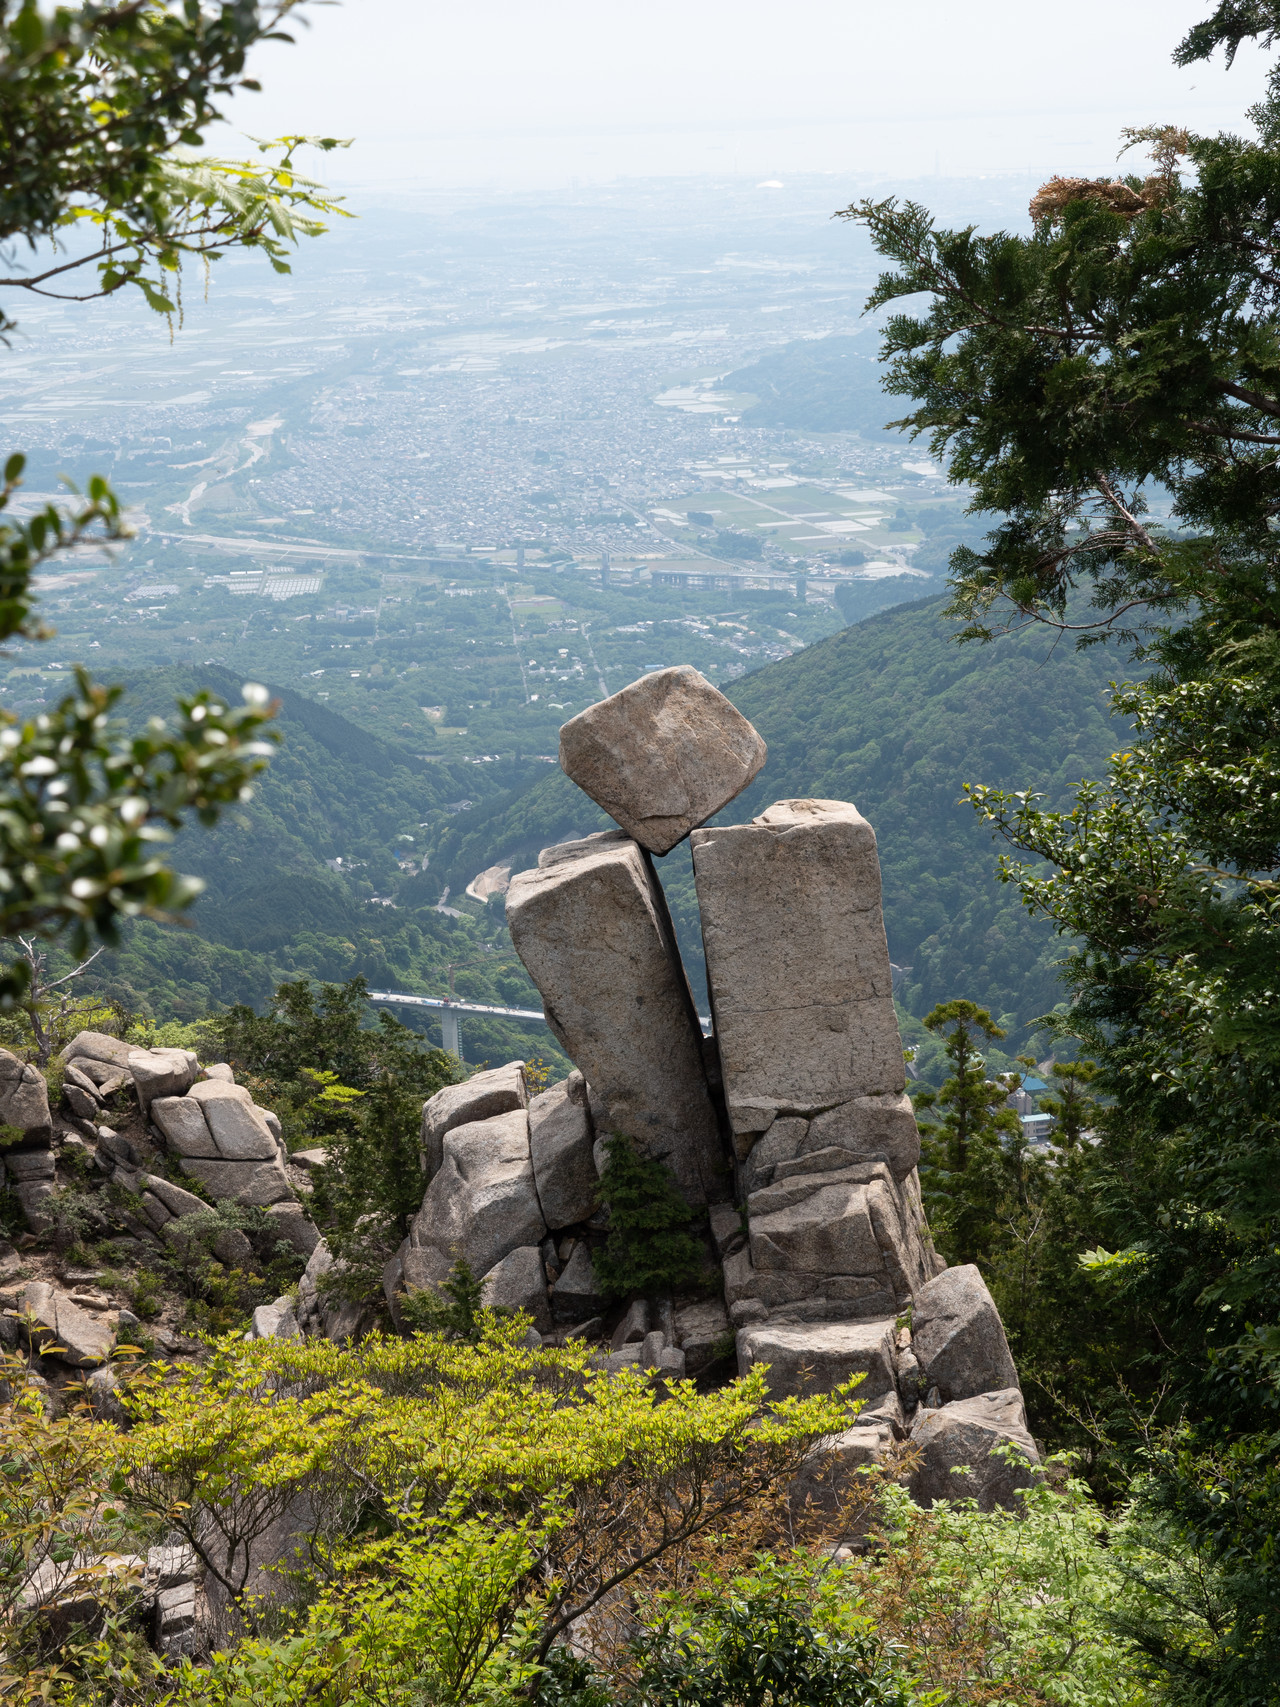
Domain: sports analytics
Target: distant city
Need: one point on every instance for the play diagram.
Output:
(537, 404)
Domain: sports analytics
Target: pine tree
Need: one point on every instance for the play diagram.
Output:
(966, 1152)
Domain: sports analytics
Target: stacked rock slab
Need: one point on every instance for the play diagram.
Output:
(27, 1166)
(662, 756)
(591, 926)
(508, 1176)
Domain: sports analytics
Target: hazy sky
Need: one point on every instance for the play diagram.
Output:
(520, 93)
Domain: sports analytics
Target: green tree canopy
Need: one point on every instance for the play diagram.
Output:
(1122, 357)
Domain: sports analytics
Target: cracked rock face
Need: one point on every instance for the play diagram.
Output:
(798, 965)
(81, 1339)
(662, 756)
(957, 1443)
(561, 1145)
(958, 1338)
(592, 930)
(481, 1205)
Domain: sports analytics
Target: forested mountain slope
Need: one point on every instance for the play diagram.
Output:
(893, 715)
(275, 908)
(820, 385)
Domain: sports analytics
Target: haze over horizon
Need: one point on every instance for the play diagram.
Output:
(509, 97)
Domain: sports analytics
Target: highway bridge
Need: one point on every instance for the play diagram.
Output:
(450, 1007)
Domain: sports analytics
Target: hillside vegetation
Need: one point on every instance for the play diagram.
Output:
(274, 909)
(817, 385)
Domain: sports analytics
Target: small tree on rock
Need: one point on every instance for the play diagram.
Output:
(965, 1175)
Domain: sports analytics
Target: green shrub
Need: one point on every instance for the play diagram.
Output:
(453, 1309)
(651, 1249)
(146, 1294)
(756, 1643)
(985, 1604)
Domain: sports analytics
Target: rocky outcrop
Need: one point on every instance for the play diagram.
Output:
(798, 970)
(27, 1165)
(96, 1066)
(499, 1091)
(791, 1129)
(591, 926)
(662, 756)
(817, 1359)
(320, 1309)
(519, 1282)
(31, 1175)
(225, 1142)
(229, 1148)
(161, 1073)
(24, 1100)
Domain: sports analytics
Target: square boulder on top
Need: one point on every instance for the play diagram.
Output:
(662, 756)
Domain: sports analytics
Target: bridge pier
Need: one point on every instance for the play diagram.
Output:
(450, 1032)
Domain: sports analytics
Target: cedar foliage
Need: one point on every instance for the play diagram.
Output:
(651, 1250)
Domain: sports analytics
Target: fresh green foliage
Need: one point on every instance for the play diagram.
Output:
(756, 1646)
(651, 1250)
(26, 544)
(322, 1030)
(195, 206)
(92, 96)
(492, 1463)
(1020, 1606)
(1072, 1106)
(99, 105)
(1133, 312)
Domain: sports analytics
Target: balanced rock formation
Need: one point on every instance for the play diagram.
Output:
(662, 756)
(790, 1128)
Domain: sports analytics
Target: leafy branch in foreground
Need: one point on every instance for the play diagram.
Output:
(83, 810)
(98, 106)
(191, 207)
(1065, 373)
(91, 96)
